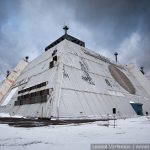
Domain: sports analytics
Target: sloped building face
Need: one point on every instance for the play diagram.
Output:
(69, 81)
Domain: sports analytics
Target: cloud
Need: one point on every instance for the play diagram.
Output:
(129, 47)
(131, 50)
(27, 30)
(118, 25)
(27, 27)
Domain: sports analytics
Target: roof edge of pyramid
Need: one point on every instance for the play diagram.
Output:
(67, 37)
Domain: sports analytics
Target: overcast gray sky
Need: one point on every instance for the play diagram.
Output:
(106, 26)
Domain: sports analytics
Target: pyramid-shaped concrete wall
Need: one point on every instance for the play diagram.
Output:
(69, 81)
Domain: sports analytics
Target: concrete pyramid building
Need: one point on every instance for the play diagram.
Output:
(70, 82)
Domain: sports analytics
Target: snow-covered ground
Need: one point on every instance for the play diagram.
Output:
(74, 137)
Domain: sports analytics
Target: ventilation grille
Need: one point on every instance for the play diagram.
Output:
(33, 87)
(122, 79)
(33, 98)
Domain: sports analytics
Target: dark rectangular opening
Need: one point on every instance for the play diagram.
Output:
(137, 108)
(114, 110)
(55, 58)
(21, 102)
(51, 64)
(54, 52)
(43, 84)
(32, 87)
(32, 98)
(16, 103)
(39, 85)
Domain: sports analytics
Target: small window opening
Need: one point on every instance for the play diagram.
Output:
(55, 58)
(54, 52)
(51, 64)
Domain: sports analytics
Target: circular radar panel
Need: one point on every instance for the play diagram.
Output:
(122, 79)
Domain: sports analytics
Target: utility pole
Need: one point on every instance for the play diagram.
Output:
(116, 54)
(142, 70)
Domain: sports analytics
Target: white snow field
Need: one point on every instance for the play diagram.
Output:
(74, 136)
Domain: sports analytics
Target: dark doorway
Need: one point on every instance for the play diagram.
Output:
(137, 108)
